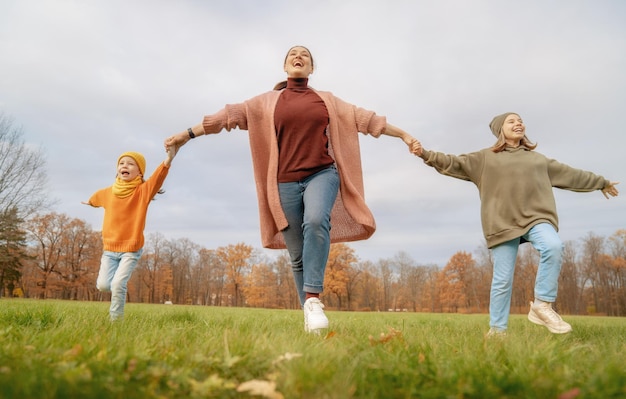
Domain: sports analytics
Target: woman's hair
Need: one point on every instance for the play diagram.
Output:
(283, 84)
(501, 143)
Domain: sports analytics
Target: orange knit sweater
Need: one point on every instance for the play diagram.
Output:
(351, 218)
(125, 218)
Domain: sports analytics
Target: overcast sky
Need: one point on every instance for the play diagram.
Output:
(88, 80)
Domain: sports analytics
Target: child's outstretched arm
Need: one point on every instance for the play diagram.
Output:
(610, 190)
(171, 151)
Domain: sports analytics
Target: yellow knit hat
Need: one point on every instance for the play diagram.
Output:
(141, 161)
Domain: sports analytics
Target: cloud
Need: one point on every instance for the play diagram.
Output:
(89, 80)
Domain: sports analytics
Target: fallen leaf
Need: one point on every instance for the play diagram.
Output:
(571, 394)
(393, 333)
(263, 388)
(286, 357)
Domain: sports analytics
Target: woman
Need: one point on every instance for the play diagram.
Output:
(517, 205)
(307, 168)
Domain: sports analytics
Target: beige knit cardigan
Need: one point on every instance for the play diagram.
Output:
(351, 219)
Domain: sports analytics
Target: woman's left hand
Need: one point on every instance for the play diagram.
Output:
(176, 141)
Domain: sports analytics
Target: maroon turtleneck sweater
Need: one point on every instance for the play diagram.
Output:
(301, 119)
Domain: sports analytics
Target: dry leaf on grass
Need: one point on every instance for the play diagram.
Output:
(393, 333)
(263, 388)
(286, 357)
(571, 394)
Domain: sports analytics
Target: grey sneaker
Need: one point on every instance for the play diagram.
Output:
(544, 315)
(314, 317)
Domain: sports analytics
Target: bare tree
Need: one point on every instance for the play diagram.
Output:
(524, 277)
(212, 273)
(149, 269)
(22, 172)
(46, 232)
(570, 281)
(595, 278)
(287, 295)
(387, 278)
(181, 255)
(370, 286)
(81, 250)
(617, 244)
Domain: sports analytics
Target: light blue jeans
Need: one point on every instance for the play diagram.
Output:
(550, 247)
(115, 271)
(307, 205)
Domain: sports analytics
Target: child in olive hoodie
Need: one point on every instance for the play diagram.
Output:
(517, 205)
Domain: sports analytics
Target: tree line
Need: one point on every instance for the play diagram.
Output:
(52, 255)
(56, 256)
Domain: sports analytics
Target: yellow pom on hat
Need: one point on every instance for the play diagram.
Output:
(141, 161)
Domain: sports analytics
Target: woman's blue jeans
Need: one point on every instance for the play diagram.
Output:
(550, 247)
(115, 271)
(307, 205)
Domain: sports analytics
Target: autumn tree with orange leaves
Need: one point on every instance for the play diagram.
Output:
(62, 261)
(237, 260)
(341, 260)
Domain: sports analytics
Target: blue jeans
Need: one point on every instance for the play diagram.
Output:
(550, 247)
(307, 205)
(115, 271)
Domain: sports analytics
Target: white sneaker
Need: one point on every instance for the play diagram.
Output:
(495, 333)
(543, 314)
(314, 317)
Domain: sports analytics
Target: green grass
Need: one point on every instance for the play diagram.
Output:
(57, 349)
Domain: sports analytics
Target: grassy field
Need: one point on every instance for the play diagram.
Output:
(56, 349)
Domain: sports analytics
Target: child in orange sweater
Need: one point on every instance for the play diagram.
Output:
(125, 206)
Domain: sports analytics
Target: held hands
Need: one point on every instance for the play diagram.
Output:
(416, 148)
(171, 151)
(176, 141)
(409, 141)
(610, 190)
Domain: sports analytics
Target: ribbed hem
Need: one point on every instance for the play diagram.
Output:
(124, 246)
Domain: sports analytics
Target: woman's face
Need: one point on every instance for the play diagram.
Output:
(298, 63)
(513, 129)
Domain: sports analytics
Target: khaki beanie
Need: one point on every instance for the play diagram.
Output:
(141, 161)
(498, 121)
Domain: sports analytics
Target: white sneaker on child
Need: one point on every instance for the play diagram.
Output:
(542, 313)
(496, 333)
(314, 317)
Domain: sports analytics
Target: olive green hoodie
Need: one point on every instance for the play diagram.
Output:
(515, 187)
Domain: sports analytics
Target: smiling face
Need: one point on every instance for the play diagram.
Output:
(127, 169)
(513, 129)
(298, 63)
